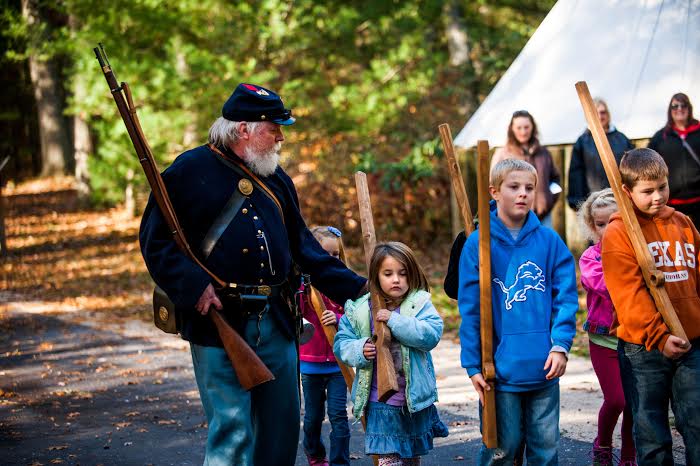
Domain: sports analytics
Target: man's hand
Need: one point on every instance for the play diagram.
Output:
(208, 299)
(383, 315)
(480, 385)
(675, 347)
(556, 363)
(328, 318)
(369, 351)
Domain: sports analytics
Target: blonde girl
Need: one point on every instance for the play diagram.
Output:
(321, 378)
(594, 216)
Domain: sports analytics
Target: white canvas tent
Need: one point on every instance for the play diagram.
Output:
(634, 53)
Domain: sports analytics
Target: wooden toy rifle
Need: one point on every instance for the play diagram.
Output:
(456, 179)
(249, 368)
(653, 278)
(489, 432)
(329, 330)
(387, 384)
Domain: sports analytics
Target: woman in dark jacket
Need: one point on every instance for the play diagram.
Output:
(679, 144)
(586, 173)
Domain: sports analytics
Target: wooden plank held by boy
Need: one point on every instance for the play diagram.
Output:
(654, 278)
(456, 178)
(387, 384)
(489, 432)
(249, 368)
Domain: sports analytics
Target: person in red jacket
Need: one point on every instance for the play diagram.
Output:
(321, 378)
(679, 144)
(657, 368)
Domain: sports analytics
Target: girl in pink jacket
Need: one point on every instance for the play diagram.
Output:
(594, 215)
(321, 378)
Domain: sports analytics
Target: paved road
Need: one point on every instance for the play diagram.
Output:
(78, 389)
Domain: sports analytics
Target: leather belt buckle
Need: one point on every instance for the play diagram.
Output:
(264, 290)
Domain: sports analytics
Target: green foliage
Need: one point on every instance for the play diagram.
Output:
(370, 81)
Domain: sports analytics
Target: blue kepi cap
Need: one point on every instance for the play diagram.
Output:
(250, 102)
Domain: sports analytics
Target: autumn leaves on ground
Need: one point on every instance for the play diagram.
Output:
(77, 366)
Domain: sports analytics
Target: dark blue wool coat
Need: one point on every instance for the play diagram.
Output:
(258, 247)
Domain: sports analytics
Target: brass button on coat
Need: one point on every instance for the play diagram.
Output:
(245, 211)
(245, 250)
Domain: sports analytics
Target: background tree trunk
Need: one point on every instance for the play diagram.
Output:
(53, 135)
(82, 142)
(456, 33)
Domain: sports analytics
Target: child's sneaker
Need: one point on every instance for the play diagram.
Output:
(316, 461)
(602, 456)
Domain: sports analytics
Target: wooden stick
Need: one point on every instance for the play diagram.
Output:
(654, 278)
(489, 433)
(456, 178)
(330, 331)
(387, 384)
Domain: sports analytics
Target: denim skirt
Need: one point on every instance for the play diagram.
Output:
(393, 430)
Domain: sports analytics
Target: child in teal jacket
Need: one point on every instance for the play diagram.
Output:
(401, 429)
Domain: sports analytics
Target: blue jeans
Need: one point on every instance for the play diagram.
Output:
(317, 389)
(244, 425)
(530, 417)
(650, 381)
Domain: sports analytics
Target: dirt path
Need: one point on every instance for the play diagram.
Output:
(79, 389)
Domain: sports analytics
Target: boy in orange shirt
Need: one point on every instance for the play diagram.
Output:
(656, 367)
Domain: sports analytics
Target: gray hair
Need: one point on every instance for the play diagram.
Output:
(225, 132)
(599, 101)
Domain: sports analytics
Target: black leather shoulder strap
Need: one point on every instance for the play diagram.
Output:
(222, 222)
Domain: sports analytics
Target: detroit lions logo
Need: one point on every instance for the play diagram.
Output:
(529, 277)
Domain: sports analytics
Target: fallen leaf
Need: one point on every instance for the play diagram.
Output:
(58, 447)
(45, 346)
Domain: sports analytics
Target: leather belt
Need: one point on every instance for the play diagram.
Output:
(259, 290)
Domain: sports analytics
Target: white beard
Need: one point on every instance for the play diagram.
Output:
(262, 164)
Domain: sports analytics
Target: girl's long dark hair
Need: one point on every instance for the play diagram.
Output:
(415, 276)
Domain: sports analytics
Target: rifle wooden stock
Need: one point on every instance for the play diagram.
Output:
(387, 384)
(654, 278)
(330, 331)
(249, 368)
(489, 432)
(456, 178)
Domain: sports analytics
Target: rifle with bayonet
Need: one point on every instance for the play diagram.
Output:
(249, 368)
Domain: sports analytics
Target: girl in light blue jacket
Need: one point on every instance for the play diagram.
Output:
(401, 429)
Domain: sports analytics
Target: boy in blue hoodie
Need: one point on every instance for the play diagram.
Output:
(534, 302)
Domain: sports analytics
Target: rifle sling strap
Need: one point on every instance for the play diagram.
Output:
(222, 222)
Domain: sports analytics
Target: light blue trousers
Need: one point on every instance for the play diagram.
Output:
(260, 427)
